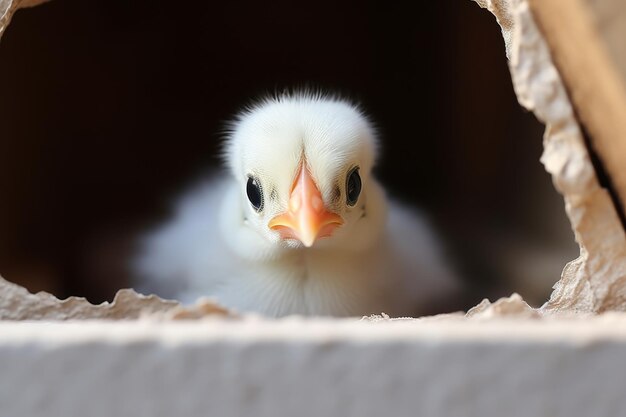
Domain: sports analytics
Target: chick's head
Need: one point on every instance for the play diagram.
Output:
(303, 164)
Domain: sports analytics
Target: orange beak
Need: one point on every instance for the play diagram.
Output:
(306, 218)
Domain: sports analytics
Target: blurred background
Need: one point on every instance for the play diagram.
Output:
(110, 108)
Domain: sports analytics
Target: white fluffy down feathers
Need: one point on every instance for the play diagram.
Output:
(383, 258)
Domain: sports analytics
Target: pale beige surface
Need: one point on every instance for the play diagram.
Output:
(300, 367)
(596, 281)
(587, 42)
(16, 303)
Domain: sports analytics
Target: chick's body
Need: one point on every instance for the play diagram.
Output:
(248, 240)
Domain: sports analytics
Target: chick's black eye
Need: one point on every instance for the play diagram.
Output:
(253, 189)
(353, 186)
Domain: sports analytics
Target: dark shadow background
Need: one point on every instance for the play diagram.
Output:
(108, 108)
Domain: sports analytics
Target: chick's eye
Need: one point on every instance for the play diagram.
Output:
(253, 189)
(353, 186)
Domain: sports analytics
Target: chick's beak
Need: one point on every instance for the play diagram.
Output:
(306, 218)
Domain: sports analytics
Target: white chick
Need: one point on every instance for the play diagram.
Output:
(300, 226)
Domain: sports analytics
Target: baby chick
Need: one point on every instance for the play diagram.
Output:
(300, 225)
